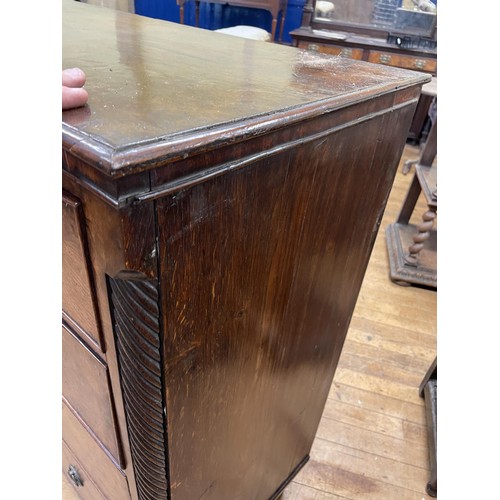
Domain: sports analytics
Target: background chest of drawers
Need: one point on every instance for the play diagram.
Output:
(217, 224)
(377, 45)
(374, 50)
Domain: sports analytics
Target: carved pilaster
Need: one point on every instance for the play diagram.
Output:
(137, 330)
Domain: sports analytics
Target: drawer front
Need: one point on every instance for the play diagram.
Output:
(335, 50)
(79, 304)
(427, 64)
(86, 387)
(99, 474)
(78, 477)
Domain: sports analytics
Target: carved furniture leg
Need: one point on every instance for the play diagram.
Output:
(410, 201)
(429, 150)
(307, 14)
(424, 232)
(412, 247)
(273, 28)
(181, 11)
(282, 25)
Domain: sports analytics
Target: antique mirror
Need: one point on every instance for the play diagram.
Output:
(380, 18)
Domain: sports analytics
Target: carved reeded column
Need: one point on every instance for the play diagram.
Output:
(137, 330)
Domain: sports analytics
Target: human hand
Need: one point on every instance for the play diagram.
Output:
(73, 95)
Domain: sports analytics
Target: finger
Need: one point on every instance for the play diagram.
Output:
(73, 77)
(73, 97)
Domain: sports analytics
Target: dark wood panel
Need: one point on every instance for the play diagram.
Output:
(85, 386)
(110, 480)
(247, 184)
(77, 280)
(332, 467)
(260, 271)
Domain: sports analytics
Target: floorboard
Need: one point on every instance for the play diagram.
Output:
(372, 440)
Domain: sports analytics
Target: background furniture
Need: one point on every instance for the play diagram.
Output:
(213, 16)
(369, 30)
(217, 226)
(341, 42)
(275, 7)
(372, 30)
(428, 391)
(412, 248)
(124, 5)
(422, 121)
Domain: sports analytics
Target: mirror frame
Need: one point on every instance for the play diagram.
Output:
(309, 21)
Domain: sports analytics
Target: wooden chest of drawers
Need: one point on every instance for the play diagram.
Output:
(220, 203)
(364, 48)
(418, 63)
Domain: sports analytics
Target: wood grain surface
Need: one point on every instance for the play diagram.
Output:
(144, 74)
(371, 443)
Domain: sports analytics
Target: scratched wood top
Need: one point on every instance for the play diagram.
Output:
(155, 82)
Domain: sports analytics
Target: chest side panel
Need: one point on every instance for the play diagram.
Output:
(260, 271)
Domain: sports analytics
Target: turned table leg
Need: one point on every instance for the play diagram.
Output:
(423, 234)
(181, 11)
(282, 25)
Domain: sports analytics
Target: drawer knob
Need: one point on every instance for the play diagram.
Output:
(313, 46)
(419, 63)
(385, 59)
(75, 477)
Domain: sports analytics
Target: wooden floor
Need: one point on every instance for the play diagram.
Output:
(372, 441)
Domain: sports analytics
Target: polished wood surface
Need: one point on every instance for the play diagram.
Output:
(143, 74)
(228, 244)
(372, 438)
(263, 260)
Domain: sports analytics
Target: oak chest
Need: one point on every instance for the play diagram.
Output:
(221, 197)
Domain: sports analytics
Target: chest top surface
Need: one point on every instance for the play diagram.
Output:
(156, 86)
